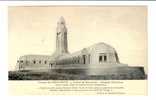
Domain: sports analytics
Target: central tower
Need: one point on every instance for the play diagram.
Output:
(61, 37)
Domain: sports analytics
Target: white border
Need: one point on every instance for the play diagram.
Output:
(3, 50)
(45, 3)
(151, 49)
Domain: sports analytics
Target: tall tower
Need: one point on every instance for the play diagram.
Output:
(61, 37)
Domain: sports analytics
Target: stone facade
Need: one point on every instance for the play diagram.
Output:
(33, 62)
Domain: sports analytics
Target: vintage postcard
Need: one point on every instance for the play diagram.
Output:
(77, 50)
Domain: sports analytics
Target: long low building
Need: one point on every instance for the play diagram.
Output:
(33, 62)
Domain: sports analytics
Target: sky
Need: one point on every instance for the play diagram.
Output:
(32, 30)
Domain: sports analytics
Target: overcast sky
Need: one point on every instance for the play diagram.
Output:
(32, 30)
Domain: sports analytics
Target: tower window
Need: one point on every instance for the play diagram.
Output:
(62, 23)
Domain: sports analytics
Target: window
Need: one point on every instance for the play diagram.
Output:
(51, 65)
(45, 62)
(62, 23)
(100, 58)
(105, 58)
(78, 61)
(40, 62)
(84, 59)
(34, 62)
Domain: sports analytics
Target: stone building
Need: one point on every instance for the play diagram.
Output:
(38, 62)
(98, 59)
(33, 62)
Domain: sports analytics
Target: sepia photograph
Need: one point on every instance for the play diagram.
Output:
(77, 43)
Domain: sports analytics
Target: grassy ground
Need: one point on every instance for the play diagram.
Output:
(53, 75)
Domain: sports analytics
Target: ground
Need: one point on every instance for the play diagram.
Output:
(67, 75)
